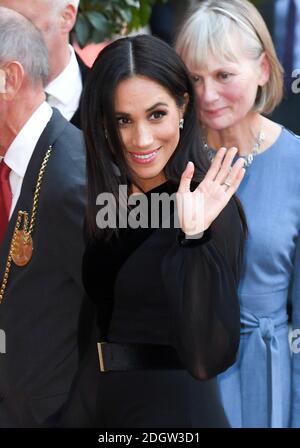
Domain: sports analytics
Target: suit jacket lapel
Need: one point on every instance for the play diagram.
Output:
(84, 70)
(51, 132)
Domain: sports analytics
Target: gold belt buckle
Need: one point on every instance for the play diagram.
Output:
(100, 355)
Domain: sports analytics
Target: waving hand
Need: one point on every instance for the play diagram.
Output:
(199, 208)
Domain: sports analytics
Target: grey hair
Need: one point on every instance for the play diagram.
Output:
(74, 2)
(21, 41)
(211, 28)
(60, 4)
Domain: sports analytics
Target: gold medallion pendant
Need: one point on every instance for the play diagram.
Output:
(22, 248)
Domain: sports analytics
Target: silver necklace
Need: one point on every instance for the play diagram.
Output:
(255, 149)
(249, 158)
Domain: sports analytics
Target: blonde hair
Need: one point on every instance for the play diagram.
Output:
(210, 29)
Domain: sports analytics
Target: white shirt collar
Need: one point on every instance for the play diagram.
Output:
(62, 87)
(19, 153)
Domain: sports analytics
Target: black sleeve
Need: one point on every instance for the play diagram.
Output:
(200, 281)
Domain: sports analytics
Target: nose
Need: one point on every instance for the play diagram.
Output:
(142, 137)
(209, 93)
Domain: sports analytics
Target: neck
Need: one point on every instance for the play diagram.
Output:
(59, 62)
(16, 116)
(241, 135)
(148, 184)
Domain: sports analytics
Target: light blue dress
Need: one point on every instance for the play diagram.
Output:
(262, 389)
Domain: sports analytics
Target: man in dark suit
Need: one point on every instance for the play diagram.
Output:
(45, 317)
(67, 72)
(282, 19)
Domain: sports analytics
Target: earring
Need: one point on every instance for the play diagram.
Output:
(106, 133)
(181, 123)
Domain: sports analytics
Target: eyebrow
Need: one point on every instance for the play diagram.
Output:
(156, 105)
(159, 104)
(226, 66)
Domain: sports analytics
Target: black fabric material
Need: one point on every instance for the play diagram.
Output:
(84, 70)
(186, 241)
(158, 399)
(149, 289)
(122, 357)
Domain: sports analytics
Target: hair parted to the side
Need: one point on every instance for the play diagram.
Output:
(23, 42)
(211, 26)
(126, 57)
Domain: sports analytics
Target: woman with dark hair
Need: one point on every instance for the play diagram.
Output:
(168, 311)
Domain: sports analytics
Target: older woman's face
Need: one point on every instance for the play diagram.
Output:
(226, 90)
(148, 120)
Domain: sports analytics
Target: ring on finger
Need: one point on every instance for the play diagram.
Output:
(227, 183)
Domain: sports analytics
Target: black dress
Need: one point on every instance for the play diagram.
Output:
(151, 286)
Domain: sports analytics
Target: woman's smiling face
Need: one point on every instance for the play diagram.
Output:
(148, 120)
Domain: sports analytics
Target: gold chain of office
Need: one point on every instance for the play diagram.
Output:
(21, 247)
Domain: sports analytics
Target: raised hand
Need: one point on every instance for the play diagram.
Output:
(199, 208)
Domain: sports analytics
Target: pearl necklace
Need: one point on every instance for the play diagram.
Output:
(249, 158)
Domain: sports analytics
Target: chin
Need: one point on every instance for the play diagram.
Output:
(147, 175)
(219, 124)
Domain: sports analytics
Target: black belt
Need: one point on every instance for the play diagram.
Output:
(122, 357)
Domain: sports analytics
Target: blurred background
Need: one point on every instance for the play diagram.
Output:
(100, 21)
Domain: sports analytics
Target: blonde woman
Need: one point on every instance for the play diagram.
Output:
(238, 80)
